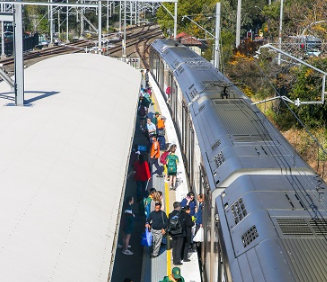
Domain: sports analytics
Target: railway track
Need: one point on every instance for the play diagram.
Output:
(134, 37)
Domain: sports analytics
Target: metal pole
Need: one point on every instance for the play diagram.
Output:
(135, 12)
(119, 16)
(280, 30)
(175, 22)
(18, 55)
(67, 23)
(217, 35)
(99, 26)
(51, 23)
(59, 22)
(124, 41)
(131, 12)
(2, 41)
(107, 24)
(82, 20)
(238, 24)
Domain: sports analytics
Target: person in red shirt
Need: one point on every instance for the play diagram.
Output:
(141, 175)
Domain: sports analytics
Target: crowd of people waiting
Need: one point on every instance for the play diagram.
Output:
(184, 221)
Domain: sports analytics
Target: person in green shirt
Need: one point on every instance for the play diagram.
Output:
(171, 162)
(174, 276)
(155, 118)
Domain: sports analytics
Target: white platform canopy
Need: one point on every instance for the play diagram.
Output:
(63, 164)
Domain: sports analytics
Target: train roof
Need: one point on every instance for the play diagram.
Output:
(195, 75)
(63, 167)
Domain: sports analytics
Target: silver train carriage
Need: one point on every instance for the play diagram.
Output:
(265, 211)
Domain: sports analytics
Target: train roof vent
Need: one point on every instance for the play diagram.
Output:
(240, 120)
(238, 210)
(319, 226)
(216, 145)
(294, 226)
(250, 236)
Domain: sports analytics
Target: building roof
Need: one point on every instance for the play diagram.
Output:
(187, 39)
(63, 168)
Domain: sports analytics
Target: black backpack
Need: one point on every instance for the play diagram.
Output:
(175, 225)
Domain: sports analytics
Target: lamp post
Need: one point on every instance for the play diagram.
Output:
(280, 30)
(216, 36)
(238, 23)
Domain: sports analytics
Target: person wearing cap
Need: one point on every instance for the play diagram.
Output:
(174, 276)
(157, 221)
(155, 118)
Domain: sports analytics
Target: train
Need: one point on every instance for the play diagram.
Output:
(265, 214)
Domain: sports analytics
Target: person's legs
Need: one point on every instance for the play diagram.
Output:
(157, 238)
(178, 252)
(173, 181)
(186, 245)
(126, 238)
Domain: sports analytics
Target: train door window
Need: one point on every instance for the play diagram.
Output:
(174, 100)
(200, 180)
(191, 153)
(161, 75)
(184, 128)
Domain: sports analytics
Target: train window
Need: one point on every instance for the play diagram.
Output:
(184, 141)
(161, 76)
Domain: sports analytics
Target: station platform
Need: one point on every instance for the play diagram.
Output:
(139, 266)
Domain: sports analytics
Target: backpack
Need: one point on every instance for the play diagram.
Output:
(163, 157)
(175, 225)
(171, 164)
(147, 205)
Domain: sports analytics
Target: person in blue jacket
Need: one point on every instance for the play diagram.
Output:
(190, 201)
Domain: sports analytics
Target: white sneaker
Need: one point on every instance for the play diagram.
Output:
(127, 252)
(120, 246)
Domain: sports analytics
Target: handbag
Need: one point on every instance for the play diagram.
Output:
(198, 237)
(161, 132)
(146, 238)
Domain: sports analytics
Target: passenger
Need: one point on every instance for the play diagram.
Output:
(146, 76)
(175, 276)
(172, 161)
(155, 118)
(157, 221)
(188, 230)
(168, 92)
(148, 201)
(198, 221)
(152, 130)
(149, 91)
(157, 198)
(163, 160)
(134, 155)
(142, 176)
(154, 156)
(198, 216)
(128, 224)
(143, 82)
(176, 234)
(161, 132)
(190, 201)
(142, 113)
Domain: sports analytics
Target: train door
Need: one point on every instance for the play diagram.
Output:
(161, 79)
(184, 135)
(190, 154)
(174, 91)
